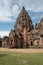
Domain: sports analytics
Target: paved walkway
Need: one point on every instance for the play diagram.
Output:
(21, 50)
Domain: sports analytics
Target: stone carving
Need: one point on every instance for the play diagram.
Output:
(25, 34)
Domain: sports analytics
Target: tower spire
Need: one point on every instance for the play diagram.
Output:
(23, 8)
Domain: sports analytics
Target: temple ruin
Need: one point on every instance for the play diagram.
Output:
(24, 34)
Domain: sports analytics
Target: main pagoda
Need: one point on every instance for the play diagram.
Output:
(18, 36)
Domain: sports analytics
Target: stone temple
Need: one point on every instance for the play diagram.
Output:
(24, 34)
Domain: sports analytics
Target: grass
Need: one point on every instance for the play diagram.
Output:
(16, 58)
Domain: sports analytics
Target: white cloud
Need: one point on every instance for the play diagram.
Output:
(15, 10)
(4, 33)
(4, 9)
(34, 17)
(34, 5)
(10, 8)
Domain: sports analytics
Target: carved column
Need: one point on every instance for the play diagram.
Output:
(25, 36)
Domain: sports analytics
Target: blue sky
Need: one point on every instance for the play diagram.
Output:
(9, 10)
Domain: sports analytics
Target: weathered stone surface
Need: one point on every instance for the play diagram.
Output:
(24, 34)
(5, 41)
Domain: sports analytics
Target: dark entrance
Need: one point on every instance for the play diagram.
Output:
(31, 43)
(42, 38)
(41, 35)
(0, 43)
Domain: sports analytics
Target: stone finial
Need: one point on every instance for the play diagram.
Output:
(23, 8)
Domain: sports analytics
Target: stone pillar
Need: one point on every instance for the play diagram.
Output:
(25, 36)
(18, 42)
(41, 41)
(35, 42)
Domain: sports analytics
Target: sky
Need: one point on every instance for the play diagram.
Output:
(10, 9)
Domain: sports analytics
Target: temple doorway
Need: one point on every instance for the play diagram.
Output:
(41, 39)
(0, 43)
(31, 43)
